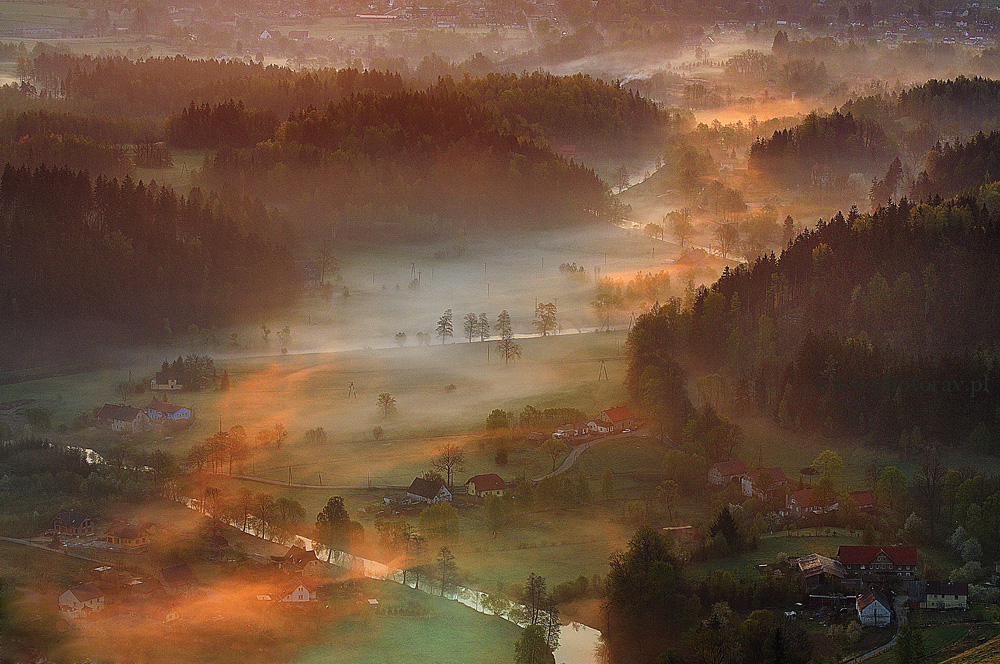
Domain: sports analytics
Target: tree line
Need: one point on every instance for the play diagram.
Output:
(411, 165)
(73, 246)
(868, 325)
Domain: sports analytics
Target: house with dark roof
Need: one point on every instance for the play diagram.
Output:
(878, 563)
(939, 595)
(177, 579)
(725, 472)
(296, 591)
(120, 417)
(426, 491)
(489, 484)
(619, 418)
(71, 522)
(166, 380)
(164, 411)
(81, 601)
(763, 482)
(873, 609)
(297, 560)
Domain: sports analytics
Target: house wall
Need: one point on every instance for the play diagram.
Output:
(946, 601)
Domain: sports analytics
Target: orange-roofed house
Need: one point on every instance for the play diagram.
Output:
(296, 591)
(618, 418)
(81, 601)
(725, 472)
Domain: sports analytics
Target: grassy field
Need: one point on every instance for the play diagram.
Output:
(38, 14)
(956, 644)
(179, 175)
(986, 653)
(450, 632)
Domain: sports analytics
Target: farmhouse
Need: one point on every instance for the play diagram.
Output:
(166, 380)
(878, 563)
(814, 570)
(119, 417)
(940, 595)
(177, 580)
(425, 491)
(873, 609)
(297, 561)
(81, 601)
(71, 522)
(865, 500)
(725, 472)
(132, 538)
(163, 411)
(599, 426)
(296, 591)
(763, 482)
(807, 501)
(619, 417)
(490, 484)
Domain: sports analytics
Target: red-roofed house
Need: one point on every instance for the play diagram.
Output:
(874, 609)
(773, 478)
(490, 484)
(297, 560)
(865, 500)
(158, 411)
(725, 472)
(81, 601)
(619, 417)
(878, 562)
(806, 501)
(297, 591)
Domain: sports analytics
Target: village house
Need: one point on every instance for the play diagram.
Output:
(297, 561)
(599, 426)
(298, 35)
(763, 482)
(939, 595)
(725, 472)
(865, 500)
(808, 501)
(571, 430)
(164, 411)
(878, 563)
(166, 380)
(873, 609)
(814, 570)
(620, 418)
(296, 591)
(177, 579)
(81, 601)
(425, 491)
(71, 522)
(490, 484)
(133, 539)
(119, 417)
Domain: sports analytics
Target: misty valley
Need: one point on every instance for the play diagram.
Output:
(499, 333)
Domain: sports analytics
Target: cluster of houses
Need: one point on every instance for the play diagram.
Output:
(159, 412)
(159, 597)
(866, 570)
(613, 420)
(431, 492)
(765, 483)
(119, 536)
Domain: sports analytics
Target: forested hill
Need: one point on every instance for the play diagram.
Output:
(412, 165)
(156, 87)
(954, 106)
(952, 169)
(839, 141)
(880, 325)
(138, 256)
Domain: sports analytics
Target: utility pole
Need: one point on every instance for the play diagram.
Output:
(289, 476)
(603, 372)
(352, 392)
